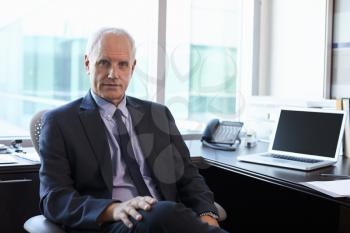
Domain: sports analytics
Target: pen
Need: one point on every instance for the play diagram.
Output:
(335, 176)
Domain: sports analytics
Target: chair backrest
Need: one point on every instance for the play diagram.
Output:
(39, 224)
(35, 128)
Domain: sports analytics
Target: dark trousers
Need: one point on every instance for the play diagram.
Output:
(164, 217)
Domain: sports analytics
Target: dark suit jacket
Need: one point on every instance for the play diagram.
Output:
(76, 171)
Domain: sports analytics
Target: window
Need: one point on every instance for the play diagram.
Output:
(293, 57)
(42, 44)
(202, 51)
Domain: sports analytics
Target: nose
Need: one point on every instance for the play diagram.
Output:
(113, 72)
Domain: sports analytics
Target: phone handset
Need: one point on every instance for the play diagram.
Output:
(222, 135)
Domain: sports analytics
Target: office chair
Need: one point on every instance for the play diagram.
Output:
(39, 224)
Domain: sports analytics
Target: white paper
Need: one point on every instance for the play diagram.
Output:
(6, 158)
(32, 156)
(334, 188)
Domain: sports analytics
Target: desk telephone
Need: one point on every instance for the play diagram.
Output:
(222, 135)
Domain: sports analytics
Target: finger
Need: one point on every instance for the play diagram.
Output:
(133, 213)
(134, 203)
(141, 203)
(124, 218)
(150, 200)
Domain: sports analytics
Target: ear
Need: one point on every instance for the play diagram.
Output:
(133, 67)
(87, 64)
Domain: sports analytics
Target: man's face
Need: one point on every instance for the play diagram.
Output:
(110, 68)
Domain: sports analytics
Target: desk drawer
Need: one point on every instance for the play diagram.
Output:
(19, 200)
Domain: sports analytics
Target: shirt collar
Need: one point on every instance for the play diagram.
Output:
(107, 108)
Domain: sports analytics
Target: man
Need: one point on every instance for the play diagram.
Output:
(114, 163)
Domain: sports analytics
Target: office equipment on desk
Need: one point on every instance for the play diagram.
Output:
(8, 153)
(334, 188)
(250, 140)
(3, 147)
(16, 145)
(304, 139)
(222, 135)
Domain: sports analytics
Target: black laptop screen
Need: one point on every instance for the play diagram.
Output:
(314, 133)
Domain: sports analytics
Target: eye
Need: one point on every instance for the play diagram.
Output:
(104, 63)
(123, 65)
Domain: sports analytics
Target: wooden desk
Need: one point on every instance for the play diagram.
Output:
(19, 194)
(271, 197)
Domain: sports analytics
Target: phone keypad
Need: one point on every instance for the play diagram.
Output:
(226, 134)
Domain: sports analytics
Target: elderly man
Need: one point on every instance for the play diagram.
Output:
(114, 163)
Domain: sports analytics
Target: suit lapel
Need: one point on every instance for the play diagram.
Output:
(144, 131)
(144, 128)
(95, 131)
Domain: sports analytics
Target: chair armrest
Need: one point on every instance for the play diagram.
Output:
(221, 211)
(39, 224)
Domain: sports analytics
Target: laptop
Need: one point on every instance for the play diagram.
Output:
(303, 139)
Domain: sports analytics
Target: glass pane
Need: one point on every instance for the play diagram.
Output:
(42, 45)
(202, 52)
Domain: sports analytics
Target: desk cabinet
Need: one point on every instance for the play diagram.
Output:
(19, 199)
(254, 204)
(270, 198)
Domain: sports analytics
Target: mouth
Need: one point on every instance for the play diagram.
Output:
(111, 85)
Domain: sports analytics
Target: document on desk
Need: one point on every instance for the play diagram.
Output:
(32, 156)
(334, 188)
(6, 159)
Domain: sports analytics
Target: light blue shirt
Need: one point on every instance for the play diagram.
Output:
(123, 187)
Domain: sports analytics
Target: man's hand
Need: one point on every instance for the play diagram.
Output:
(210, 220)
(122, 211)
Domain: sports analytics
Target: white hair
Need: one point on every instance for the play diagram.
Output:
(94, 41)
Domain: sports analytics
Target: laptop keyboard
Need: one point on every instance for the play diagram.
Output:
(305, 160)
